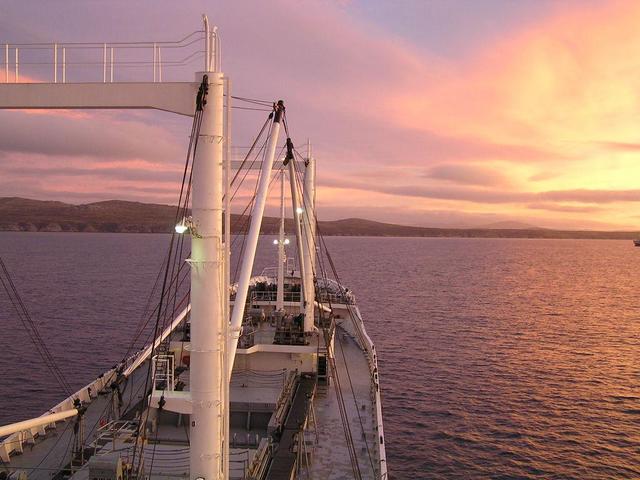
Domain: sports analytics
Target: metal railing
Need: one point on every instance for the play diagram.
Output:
(163, 372)
(95, 62)
(261, 460)
(270, 296)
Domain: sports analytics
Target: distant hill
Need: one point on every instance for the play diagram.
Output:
(507, 225)
(26, 215)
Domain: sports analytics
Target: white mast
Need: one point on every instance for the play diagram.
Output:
(310, 231)
(281, 253)
(254, 233)
(207, 286)
(227, 264)
(297, 216)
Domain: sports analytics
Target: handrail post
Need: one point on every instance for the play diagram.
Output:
(17, 75)
(159, 65)
(64, 65)
(6, 63)
(111, 64)
(155, 60)
(104, 63)
(55, 63)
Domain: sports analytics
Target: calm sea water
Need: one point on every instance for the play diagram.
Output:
(499, 358)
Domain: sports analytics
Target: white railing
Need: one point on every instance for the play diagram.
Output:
(155, 61)
(270, 296)
(163, 373)
(364, 341)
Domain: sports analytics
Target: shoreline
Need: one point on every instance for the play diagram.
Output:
(538, 234)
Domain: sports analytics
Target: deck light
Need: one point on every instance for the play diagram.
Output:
(275, 242)
(299, 210)
(181, 227)
(286, 241)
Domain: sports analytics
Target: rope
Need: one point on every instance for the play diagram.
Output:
(31, 327)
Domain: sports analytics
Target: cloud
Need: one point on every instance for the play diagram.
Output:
(489, 196)
(541, 176)
(468, 175)
(514, 125)
(553, 207)
(94, 135)
(619, 146)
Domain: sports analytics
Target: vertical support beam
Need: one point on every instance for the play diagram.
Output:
(159, 65)
(55, 63)
(281, 255)
(155, 61)
(254, 233)
(64, 65)
(227, 265)
(207, 322)
(310, 250)
(111, 64)
(297, 216)
(17, 72)
(104, 63)
(6, 63)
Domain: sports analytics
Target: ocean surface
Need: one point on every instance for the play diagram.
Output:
(499, 358)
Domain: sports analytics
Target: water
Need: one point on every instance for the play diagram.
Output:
(499, 358)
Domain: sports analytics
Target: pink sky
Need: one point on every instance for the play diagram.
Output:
(534, 118)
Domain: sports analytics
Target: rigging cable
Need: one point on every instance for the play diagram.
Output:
(197, 122)
(311, 217)
(31, 327)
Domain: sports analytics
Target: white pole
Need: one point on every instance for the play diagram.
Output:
(207, 286)
(64, 65)
(55, 63)
(207, 43)
(254, 233)
(297, 210)
(104, 63)
(36, 422)
(281, 256)
(310, 251)
(213, 62)
(6, 63)
(159, 65)
(155, 61)
(111, 64)
(17, 76)
(227, 263)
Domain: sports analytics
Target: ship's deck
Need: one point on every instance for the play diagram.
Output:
(329, 455)
(331, 458)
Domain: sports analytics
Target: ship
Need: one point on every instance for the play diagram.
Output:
(242, 376)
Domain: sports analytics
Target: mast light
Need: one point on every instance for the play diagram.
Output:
(182, 227)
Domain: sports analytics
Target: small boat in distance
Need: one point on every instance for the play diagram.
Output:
(636, 242)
